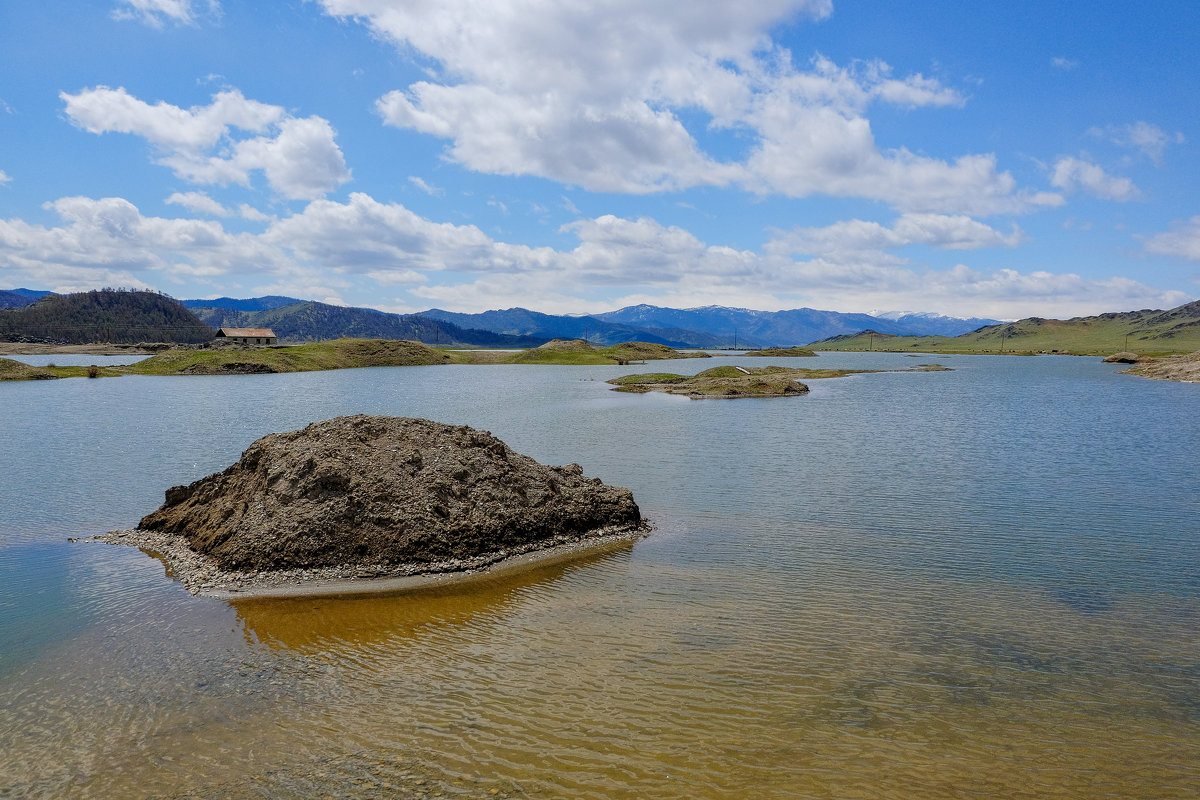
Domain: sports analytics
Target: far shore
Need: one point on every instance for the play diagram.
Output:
(102, 349)
(201, 577)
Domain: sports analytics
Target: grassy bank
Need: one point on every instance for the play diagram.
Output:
(11, 370)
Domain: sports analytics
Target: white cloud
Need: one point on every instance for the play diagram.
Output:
(1145, 137)
(1064, 64)
(596, 95)
(1071, 174)
(251, 213)
(1183, 240)
(4, 177)
(156, 13)
(300, 160)
(199, 202)
(330, 247)
(420, 183)
(863, 240)
(111, 236)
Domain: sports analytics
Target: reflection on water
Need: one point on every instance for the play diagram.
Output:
(364, 619)
(900, 586)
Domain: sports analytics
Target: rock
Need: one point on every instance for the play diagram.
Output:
(1123, 358)
(369, 490)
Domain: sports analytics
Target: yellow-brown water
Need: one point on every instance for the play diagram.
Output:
(786, 631)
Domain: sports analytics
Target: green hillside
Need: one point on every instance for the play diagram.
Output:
(1147, 333)
(106, 315)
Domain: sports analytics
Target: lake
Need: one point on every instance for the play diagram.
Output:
(983, 582)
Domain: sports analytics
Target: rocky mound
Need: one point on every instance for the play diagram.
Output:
(1123, 358)
(384, 490)
(1185, 368)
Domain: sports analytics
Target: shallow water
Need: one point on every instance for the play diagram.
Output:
(935, 585)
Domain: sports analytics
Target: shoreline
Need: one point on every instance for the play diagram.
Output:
(38, 349)
(201, 577)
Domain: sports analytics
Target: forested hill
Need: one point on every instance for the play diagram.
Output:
(310, 321)
(107, 315)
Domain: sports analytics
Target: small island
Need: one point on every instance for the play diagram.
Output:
(352, 503)
(736, 382)
(783, 352)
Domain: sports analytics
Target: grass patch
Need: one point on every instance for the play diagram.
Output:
(11, 370)
(334, 354)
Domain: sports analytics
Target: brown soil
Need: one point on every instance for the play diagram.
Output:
(1173, 368)
(384, 490)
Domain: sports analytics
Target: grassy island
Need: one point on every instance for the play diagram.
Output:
(734, 382)
(741, 382)
(783, 352)
(335, 354)
(577, 351)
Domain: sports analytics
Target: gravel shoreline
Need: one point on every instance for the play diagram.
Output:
(201, 576)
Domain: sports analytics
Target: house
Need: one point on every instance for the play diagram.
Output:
(248, 335)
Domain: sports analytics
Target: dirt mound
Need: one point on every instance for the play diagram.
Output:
(384, 490)
(1123, 358)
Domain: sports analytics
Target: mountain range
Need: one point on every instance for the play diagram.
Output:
(295, 320)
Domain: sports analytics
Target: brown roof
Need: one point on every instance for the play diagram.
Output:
(256, 333)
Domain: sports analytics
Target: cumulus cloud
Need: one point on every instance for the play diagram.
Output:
(110, 236)
(298, 157)
(865, 240)
(199, 202)
(1071, 174)
(605, 96)
(4, 177)
(363, 243)
(156, 13)
(1150, 140)
(1183, 240)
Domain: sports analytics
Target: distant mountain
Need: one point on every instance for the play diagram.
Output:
(1146, 332)
(108, 315)
(743, 327)
(17, 298)
(523, 322)
(937, 324)
(249, 304)
(310, 321)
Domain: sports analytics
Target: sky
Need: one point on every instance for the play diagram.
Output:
(997, 159)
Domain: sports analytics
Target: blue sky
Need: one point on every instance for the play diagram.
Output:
(1001, 159)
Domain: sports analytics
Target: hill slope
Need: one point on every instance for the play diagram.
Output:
(18, 298)
(107, 315)
(309, 321)
(1146, 332)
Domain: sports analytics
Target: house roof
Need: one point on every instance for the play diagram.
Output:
(256, 333)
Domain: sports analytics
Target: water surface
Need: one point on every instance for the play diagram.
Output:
(926, 585)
